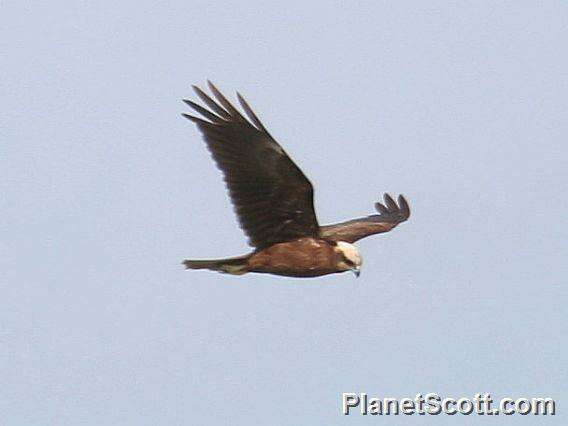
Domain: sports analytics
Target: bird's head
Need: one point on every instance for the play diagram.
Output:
(350, 259)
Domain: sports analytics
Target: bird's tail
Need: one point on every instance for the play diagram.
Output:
(233, 265)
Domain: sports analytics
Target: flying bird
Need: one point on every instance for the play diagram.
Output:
(273, 200)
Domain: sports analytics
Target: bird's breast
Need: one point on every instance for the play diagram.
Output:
(301, 257)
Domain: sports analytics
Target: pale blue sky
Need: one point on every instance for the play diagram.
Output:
(461, 106)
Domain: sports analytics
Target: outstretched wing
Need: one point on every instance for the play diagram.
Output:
(273, 199)
(390, 215)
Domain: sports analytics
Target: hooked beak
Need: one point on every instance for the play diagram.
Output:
(357, 271)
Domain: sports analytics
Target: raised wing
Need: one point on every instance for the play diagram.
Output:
(390, 215)
(273, 199)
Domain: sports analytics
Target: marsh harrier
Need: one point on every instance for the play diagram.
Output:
(273, 200)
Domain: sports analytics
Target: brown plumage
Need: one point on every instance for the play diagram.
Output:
(273, 200)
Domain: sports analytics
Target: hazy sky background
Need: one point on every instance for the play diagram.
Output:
(461, 106)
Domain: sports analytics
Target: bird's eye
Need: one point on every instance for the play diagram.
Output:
(349, 262)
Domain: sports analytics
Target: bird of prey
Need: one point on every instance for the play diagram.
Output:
(273, 200)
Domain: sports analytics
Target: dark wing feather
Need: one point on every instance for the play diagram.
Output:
(390, 215)
(273, 199)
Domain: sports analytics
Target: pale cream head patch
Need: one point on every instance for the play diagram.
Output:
(350, 253)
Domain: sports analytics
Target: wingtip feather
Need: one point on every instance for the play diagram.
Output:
(404, 207)
(391, 205)
(381, 208)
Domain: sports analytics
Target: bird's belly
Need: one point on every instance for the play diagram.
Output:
(305, 257)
